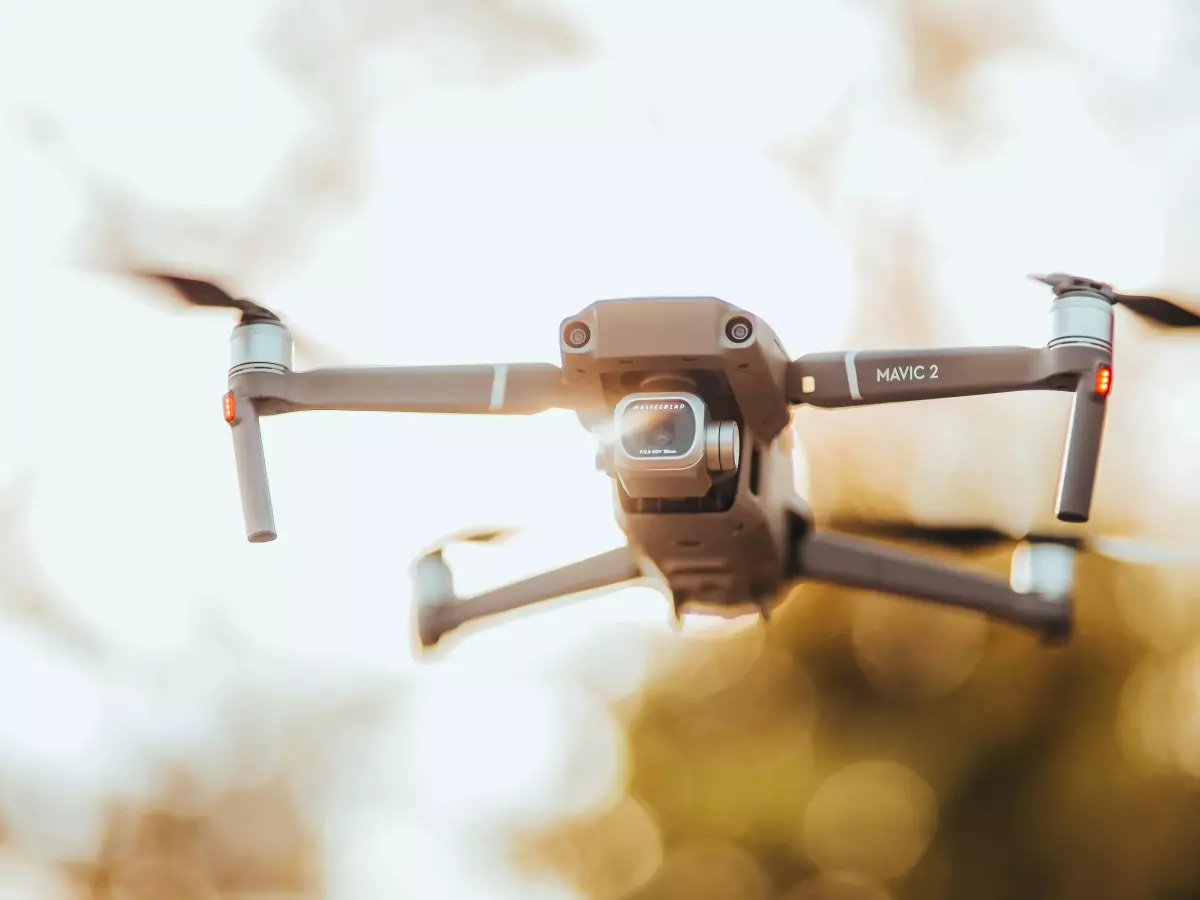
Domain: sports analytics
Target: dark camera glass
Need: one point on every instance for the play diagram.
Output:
(658, 428)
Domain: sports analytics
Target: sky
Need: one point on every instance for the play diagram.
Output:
(477, 217)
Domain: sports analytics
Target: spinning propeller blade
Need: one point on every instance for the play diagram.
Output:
(470, 536)
(433, 582)
(1154, 309)
(201, 292)
(198, 292)
(971, 537)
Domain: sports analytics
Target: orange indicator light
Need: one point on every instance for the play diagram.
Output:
(1104, 380)
(230, 405)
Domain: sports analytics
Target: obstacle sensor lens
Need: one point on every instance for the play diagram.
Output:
(577, 335)
(738, 329)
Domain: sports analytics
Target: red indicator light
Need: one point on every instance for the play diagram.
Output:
(230, 407)
(1104, 380)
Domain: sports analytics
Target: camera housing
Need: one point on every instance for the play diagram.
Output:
(664, 445)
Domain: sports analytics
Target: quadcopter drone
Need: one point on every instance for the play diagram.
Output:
(689, 399)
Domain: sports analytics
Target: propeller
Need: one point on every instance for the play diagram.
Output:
(433, 582)
(115, 233)
(198, 292)
(469, 536)
(201, 292)
(1154, 309)
(1137, 551)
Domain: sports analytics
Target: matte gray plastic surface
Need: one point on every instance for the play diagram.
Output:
(1081, 454)
(853, 562)
(438, 616)
(251, 462)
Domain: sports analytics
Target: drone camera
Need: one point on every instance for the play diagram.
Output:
(660, 427)
(666, 447)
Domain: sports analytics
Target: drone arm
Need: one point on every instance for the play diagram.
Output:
(866, 565)
(259, 389)
(513, 389)
(833, 380)
(857, 377)
(446, 613)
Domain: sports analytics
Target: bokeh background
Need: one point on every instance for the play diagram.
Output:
(185, 715)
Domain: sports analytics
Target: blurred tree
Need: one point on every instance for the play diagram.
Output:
(898, 765)
(346, 60)
(242, 840)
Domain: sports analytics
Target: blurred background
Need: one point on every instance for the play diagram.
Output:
(186, 715)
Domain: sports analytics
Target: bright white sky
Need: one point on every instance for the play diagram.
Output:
(489, 216)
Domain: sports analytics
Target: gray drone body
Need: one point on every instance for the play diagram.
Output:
(690, 400)
(715, 531)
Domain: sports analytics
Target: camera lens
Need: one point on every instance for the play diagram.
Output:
(738, 329)
(576, 335)
(658, 427)
(663, 435)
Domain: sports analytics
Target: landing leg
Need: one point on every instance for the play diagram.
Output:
(440, 612)
(867, 565)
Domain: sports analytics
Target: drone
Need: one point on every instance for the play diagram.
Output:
(690, 400)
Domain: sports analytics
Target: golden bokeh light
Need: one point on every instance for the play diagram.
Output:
(837, 886)
(915, 652)
(614, 860)
(1159, 605)
(716, 657)
(710, 870)
(874, 818)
